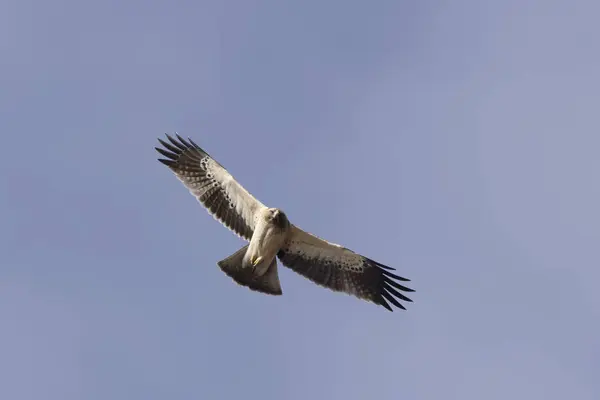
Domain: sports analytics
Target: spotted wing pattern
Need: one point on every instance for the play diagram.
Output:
(214, 187)
(342, 270)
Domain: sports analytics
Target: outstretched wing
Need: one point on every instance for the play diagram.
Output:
(342, 270)
(211, 184)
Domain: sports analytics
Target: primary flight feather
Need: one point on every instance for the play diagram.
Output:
(271, 235)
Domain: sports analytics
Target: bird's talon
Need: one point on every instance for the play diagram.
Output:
(256, 261)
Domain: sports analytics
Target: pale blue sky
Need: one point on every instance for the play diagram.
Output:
(460, 141)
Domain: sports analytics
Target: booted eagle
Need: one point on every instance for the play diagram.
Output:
(271, 235)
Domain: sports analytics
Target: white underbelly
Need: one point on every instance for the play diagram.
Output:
(266, 242)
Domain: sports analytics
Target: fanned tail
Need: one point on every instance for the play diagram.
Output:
(267, 283)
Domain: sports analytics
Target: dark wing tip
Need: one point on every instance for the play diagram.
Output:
(380, 265)
(193, 143)
(400, 278)
(182, 140)
(174, 147)
(389, 289)
(168, 163)
(169, 147)
(168, 154)
(171, 152)
(381, 301)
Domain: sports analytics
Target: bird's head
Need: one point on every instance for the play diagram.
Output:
(278, 217)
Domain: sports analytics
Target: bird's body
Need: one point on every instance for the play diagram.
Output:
(271, 236)
(258, 264)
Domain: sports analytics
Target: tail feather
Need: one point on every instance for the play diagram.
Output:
(245, 276)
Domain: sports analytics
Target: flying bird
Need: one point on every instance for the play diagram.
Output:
(271, 236)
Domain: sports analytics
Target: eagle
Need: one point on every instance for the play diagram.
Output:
(271, 236)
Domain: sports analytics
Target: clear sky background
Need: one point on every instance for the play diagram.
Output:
(457, 141)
